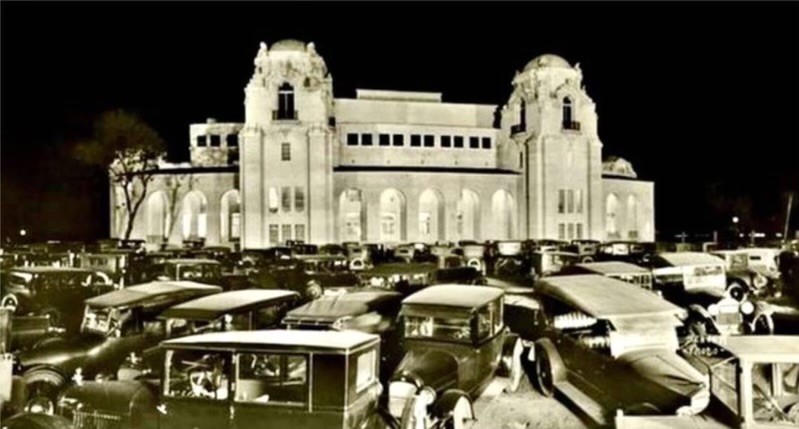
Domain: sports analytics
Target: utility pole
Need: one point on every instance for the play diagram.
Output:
(788, 218)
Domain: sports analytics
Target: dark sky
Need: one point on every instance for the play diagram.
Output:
(701, 98)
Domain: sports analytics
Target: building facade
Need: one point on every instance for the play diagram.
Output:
(392, 166)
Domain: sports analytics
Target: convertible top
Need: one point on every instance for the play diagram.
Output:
(347, 304)
(613, 267)
(150, 293)
(678, 259)
(276, 338)
(215, 306)
(606, 298)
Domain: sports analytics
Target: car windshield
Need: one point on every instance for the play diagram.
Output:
(19, 279)
(101, 320)
(440, 328)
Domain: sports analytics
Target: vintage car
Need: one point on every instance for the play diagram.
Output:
(51, 291)
(474, 256)
(548, 262)
(408, 278)
(623, 271)
(455, 343)
(587, 249)
(243, 380)
(690, 277)
(310, 275)
(239, 310)
(511, 261)
(754, 384)
(744, 279)
(114, 325)
(598, 331)
(112, 266)
(634, 252)
(207, 271)
(372, 311)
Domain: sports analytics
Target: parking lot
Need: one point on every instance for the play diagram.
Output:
(526, 408)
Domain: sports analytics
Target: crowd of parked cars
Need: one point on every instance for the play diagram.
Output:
(362, 336)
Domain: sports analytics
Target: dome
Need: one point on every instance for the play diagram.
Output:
(547, 60)
(618, 167)
(288, 45)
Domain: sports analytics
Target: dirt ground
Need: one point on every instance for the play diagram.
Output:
(524, 409)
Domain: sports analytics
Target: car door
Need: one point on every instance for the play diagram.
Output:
(197, 390)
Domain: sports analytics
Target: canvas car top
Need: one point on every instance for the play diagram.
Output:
(451, 295)
(606, 298)
(613, 267)
(274, 338)
(214, 306)
(143, 292)
(44, 270)
(690, 258)
(347, 304)
(763, 348)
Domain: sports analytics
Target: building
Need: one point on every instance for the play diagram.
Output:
(392, 166)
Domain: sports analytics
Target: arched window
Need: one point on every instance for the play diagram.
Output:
(157, 217)
(285, 102)
(431, 216)
(352, 216)
(230, 216)
(194, 215)
(611, 210)
(467, 216)
(503, 212)
(567, 113)
(392, 216)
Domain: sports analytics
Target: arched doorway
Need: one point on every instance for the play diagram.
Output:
(157, 216)
(611, 212)
(467, 216)
(230, 216)
(503, 212)
(392, 216)
(193, 215)
(431, 216)
(352, 216)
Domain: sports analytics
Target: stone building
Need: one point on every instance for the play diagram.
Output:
(395, 166)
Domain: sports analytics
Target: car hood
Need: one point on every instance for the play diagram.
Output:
(58, 352)
(666, 369)
(117, 397)
(434, 368)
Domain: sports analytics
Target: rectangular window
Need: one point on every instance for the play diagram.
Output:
(182, 364)
(232, 140)
(429, 141)
(578, 196)
(385, 140)
(216, 140)
(274, 238)
(366, 139)
(446, 141)
(202, 140)
(486, 142)
(286, 231)
(352, 139)
(299, 199)
(365, 367)
(285, 151)
(459, 141)
(579, 233)
(416, 140)
(474, 142)
(398, 140)
(270, 378)
(571, 231)
(570, 201)
(299, 231)
(561, 231)
(561, 201)
(285, 199)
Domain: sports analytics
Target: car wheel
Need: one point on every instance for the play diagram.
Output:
(511, 365)
(764, 325)
(549, 369)
(461, 414)
(736, 290)
(586, 259)
(10, 302)
(43, 386)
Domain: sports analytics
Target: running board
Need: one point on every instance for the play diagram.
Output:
(589, 408)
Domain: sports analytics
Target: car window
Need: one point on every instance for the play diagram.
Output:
(448, 329)
(197, 374)
(366, 370)
(268, 378)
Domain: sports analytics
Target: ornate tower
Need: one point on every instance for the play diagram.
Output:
(549, 126)
(287, 147)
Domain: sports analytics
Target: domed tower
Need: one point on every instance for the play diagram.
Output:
(286, 147)
(549, 129)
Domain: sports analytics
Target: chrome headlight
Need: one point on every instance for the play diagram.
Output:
(427, 395)
(747, 307)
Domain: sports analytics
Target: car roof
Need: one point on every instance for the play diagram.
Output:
(690, 258)
(401, 268)
(214, 306)
(192, 261)
(454, 295)
(606, 298)
(41, 270)
(346, 304)
(277, 338)
(613, 267)
(142, 293)
(763, 348)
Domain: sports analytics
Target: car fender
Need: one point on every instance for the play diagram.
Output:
(443, 408)
(698, 310)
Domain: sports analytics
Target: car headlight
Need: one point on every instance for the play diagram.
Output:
(747, 307)
(427, 395)
(760, 280)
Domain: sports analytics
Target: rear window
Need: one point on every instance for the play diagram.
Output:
(366, 370)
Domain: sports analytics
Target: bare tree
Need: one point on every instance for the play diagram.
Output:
(131, 150)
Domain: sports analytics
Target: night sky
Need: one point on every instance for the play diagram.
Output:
(702, 99)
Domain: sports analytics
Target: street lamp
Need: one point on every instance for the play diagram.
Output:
(22, 232)
(735, 219)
